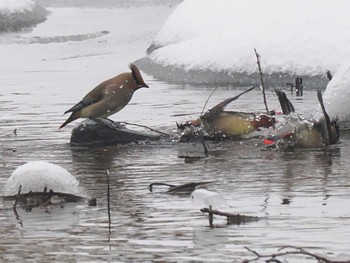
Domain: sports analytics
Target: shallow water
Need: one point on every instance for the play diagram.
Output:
(41, 80)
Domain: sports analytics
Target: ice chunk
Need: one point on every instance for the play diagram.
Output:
(204, 198)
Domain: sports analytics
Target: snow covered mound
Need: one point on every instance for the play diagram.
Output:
(337, 96)
(18, 14)
(293, 37)
(35, 176)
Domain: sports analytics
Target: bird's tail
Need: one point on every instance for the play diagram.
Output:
(75, 115)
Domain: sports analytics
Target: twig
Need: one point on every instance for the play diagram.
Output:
(144, 126)
(318, 257)
(296, 251)
(16, 201)
(326, 118)
(206, 152)
(50, 194)
(211, 217)
(108, 205)
(187, 187)
(206, 102)
(261, 80)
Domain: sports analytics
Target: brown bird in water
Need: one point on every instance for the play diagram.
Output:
(303, 133)
(219, 124)
(109, 97)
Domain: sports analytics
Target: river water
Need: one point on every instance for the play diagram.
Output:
(47, 70)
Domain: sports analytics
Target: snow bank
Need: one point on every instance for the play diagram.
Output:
(293, 37)
(16, 6)
(35, 176)
(337, 96)
(18, 14)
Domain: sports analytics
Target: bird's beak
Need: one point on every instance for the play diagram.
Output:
(143, 86)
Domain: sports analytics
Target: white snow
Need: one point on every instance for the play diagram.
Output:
(204, 198)
(337, 96)
(36, 175)
(16, 6)
(292, 36)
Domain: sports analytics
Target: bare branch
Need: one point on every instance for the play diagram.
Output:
(295, 251)
(261, 80)
(144, 126)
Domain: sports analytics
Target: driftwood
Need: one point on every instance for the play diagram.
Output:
(231, 218)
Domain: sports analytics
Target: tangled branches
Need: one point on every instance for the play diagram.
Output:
(290, 250)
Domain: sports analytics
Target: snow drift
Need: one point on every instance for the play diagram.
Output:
(337, 96)
(36, 175)
(16, 15)
(212, 42)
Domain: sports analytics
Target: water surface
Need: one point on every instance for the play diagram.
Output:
(42, 79)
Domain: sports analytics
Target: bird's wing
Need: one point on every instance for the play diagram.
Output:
(286, 105)
(83, 103)
(220, 107)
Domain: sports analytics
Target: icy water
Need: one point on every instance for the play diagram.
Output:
(47, 70)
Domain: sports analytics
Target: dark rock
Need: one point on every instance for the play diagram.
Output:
(93, 134)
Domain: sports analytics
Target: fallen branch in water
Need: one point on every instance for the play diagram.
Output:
(261, 80)
(293, 251)
(231, 218)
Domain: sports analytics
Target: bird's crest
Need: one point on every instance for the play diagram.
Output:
(136, 74)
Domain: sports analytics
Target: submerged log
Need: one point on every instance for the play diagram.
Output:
(92, 134)
(236, 219)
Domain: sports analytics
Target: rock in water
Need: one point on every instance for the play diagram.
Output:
(91, 134)
(35, 176)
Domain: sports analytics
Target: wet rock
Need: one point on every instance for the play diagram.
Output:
(93, 134)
